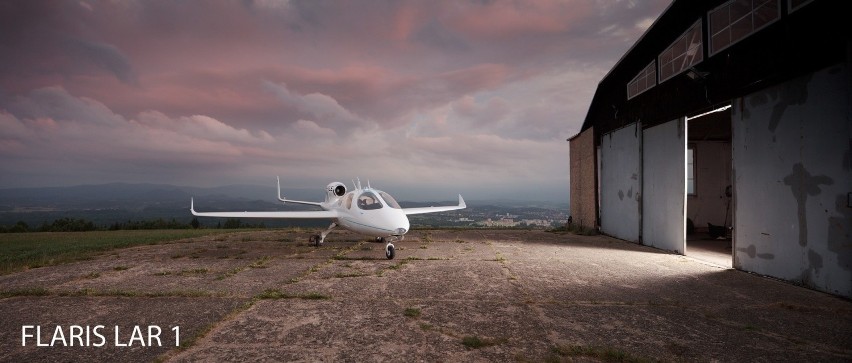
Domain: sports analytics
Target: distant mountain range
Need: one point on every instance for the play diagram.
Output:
(136, 196)
(119, 202)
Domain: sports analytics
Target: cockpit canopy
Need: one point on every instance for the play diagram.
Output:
(369, 200)
(389, 200)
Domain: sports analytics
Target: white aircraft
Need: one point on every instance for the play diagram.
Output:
(364, 210)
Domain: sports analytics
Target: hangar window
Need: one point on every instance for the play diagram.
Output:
(797, 4)
(643, 81)
(681, 55)
(737, 19)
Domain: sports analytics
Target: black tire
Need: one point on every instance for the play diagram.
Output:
(390, 252)
(315, 240)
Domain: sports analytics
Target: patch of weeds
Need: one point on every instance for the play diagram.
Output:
(162, 273)
(426, 327)
(467, 249)
(412, 312)
(575, 229)
(355, 274)
(605, 354)
(260, 263)
(460, 241)
(92, 275)
(314, 296)
(499, 258)
(34, 291)
(120, 268)
(230, 273)
(194, 256)
(194, 271)
(750, 327)
(366, 248)
(398, 265)
(277, 294)
(246, 239)
(285, 239)
(423, 247)
(436, 258)
(413, 258)
(351, 258)
(274, 294)
(178, 256)
(475, 342)
(221, 246)
(132, 293)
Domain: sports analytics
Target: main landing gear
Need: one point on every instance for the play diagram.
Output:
(318, 239)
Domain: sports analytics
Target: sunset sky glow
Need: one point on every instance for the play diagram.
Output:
(426, 99)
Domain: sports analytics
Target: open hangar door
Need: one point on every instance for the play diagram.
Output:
(709, 192)
(621, 182)
(664, 186)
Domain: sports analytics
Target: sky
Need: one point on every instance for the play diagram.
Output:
(426, 99)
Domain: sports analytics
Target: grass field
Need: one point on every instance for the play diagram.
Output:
(20, 251)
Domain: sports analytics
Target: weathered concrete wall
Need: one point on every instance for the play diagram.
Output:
(583, 187)
(792, 172)
(621, 183)
(712, 175)
(664, 186)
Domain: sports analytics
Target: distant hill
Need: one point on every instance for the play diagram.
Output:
(105, 204)
(136, 196)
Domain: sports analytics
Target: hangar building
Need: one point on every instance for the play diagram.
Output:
(735, 118)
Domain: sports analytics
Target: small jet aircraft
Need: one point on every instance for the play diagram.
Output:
(364, 210)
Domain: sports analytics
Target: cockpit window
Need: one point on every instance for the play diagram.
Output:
(389, 200)
(369, 201)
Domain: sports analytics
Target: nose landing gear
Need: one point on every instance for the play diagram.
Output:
(390, 251)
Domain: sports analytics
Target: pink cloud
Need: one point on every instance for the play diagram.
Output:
(242, 89)
(504, 19)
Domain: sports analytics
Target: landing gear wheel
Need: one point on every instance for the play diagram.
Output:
(390, 252)
(315, 240)
(380, 239)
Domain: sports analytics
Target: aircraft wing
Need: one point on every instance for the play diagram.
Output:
(461, 205)
(323, 214)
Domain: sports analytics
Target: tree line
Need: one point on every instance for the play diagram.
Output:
(82, 225)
